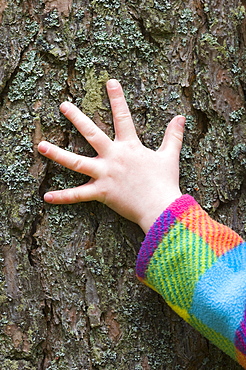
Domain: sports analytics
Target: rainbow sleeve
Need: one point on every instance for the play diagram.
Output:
(199, 267)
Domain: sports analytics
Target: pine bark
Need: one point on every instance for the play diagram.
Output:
(69, 298)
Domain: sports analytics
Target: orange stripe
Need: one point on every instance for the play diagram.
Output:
(241, 358)
(219, 237)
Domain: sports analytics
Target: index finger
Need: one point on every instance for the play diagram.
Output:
(123, 124)
(93, 134)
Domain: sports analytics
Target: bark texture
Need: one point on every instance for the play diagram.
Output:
(69, 298)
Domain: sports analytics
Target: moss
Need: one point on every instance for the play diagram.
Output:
(94, 87)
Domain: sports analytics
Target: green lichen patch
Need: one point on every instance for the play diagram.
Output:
(95, 89)
(23, 83)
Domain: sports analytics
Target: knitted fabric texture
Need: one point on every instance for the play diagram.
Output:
(199, 267)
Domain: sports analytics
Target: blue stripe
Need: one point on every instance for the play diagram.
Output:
(220, 294)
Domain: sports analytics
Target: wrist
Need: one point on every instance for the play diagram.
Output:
(153, 211)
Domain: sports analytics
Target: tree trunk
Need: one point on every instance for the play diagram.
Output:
(68, 293)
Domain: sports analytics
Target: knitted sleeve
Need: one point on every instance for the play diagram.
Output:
(199, 267)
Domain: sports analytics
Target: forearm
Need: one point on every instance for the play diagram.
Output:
(199, 267)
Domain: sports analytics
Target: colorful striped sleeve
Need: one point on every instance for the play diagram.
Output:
(199, 267)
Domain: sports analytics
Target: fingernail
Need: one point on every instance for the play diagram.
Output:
(181, 120)
(64, 107)
(48, 197)
(42, 147)
(113, 83)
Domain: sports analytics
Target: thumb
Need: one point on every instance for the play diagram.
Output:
(173, 138)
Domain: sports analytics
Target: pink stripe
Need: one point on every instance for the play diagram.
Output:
(182, 205)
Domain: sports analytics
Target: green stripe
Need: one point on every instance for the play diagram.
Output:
(216, 338)
(177, 264)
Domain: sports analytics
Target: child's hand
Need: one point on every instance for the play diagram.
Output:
(133, 180)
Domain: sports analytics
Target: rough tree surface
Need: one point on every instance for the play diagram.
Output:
(69, 298)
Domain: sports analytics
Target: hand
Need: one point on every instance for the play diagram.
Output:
(134, 181)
